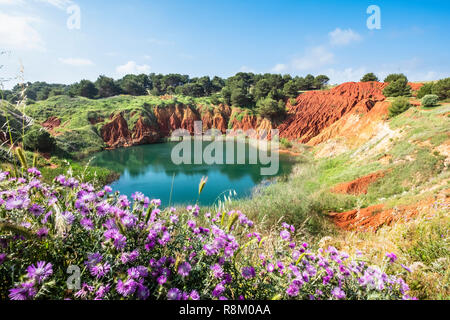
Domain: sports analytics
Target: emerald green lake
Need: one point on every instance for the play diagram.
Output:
(150, 170)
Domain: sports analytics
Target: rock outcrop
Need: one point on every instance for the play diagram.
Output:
(316, 117)
(316, 110)
(116, 133)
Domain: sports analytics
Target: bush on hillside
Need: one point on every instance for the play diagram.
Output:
(430, 100)
(427, 88)
(38, 139)
(369, 77)
(394, 77)
(397, 88)
(400, 105)
(442, 88)
(270, 108)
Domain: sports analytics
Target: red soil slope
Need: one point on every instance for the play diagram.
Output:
(358, 186)
(317, 110)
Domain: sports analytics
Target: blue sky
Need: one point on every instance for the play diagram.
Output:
(208, 37)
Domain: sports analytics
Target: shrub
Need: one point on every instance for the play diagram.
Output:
(430, 100)
(394, 77)
(134, 250)
(424, 90)
(399, 105)
(369, 77)
(397, 88)
(270, 108)
(285, 143)
(442, 88)
(38, 139)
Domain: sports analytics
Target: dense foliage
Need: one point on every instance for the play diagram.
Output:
(430, 100)
(369, 77)
(38, 139)
(242, 89)
(135, 250)
(397, 87)
(398, 106)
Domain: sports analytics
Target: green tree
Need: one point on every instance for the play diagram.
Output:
(395, 76)
(442, 88)
(270, 108)
(38, 139)
(320, 81)
(398, 106)
(369, 77)
(427, 88)
(106, 87)
(291, 89)
(397, 88)
(430, 100)
(84, 88)
(239, 98)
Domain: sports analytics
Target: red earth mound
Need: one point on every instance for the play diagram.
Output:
(317, 110)
(373, 217)
(358, 186)
(116, 133)
(51, 123)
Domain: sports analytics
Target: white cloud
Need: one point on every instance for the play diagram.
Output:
(131, 67)
(340, 37)
(345, 75)
(76, 62)
(246, 69)
(60, 4)
(161, 42)
(11, 2)
(313, 58)
(280, 67)
(18, 32)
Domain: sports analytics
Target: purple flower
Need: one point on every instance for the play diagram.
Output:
(194, 295)
(42, 232)
(34, 171)
(392, 257)
(87, 224)
(218, 290)
(292, 290)
(40, 271)
(102, 291)
(338, 293)
(16, 203)
(84, 291)
(126, 288)
(248, 272)
(174, 294)
(2, 258)
(100, 270)
(285, 235)
(217, 271)
(184, 269)
(36, 210)
(24, 291)
(161, 280)
(406, 268)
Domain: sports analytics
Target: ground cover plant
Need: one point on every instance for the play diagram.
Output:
(130, 248)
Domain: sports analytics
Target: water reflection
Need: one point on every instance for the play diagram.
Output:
(149, 169)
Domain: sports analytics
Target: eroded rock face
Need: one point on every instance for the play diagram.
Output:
(116, 133)
(316, 117)
(51, 123)
(317, 110)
